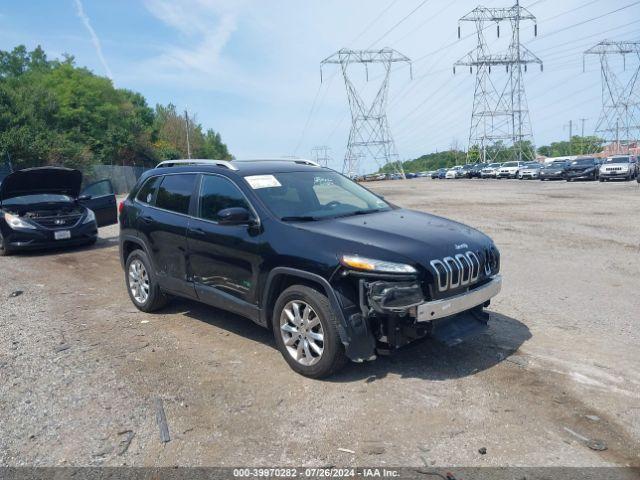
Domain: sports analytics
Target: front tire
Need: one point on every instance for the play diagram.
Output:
(142, 285)
(306, 332)
(4, 251)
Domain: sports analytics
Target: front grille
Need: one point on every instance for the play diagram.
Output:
(58, 221)
(462, 270)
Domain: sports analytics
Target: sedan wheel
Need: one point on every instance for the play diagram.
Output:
(302, 332)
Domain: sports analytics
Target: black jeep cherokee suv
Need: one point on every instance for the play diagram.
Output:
(334, 270)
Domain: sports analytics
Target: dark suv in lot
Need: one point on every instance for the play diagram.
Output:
(335, 271)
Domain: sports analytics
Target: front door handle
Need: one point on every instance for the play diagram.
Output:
(198, 231)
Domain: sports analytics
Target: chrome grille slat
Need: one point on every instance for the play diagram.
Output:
(463, 269)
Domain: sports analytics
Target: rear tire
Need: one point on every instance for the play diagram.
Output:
(142, 285)
(315, 322)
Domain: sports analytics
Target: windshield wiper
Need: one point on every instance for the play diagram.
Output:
(299, 218)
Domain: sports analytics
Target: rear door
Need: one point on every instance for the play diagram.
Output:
(102, 200)
(164, 228)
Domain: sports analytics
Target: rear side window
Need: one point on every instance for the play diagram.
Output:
(175, 192)
(147, 193)
(218, 193)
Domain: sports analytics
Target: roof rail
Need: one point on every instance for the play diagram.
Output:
(302, 161)
(217, 163)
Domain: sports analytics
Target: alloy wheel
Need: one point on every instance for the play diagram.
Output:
(138, 281)
(302, 332)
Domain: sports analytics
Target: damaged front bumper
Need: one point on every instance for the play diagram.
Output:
(396, 311)
(460, 303)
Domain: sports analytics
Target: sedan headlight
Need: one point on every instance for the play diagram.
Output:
(378, 266)
(91, 217)
(16, 222)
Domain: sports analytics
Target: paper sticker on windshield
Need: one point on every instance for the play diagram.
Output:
(262, 181)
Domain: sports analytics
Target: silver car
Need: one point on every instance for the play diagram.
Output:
(530, 171)
(490, 170)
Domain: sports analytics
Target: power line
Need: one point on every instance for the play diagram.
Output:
(366, 29)
(564, 29)
(399, 22)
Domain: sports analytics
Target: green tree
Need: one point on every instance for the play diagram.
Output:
(53, 112)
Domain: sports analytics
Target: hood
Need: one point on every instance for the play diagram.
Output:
(417, 236)
(31, 181)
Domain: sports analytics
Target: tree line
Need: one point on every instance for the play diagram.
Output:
(433, 161)
(53, 112)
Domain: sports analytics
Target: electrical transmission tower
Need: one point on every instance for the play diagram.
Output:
(320, 155)
(619, 122)
(500, 116)
(370, 135)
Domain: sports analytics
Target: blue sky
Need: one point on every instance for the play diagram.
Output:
(250, 69)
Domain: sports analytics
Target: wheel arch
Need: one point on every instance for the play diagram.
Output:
(130, 243)
(355, 336)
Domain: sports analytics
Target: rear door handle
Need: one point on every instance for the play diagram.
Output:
(146, 219)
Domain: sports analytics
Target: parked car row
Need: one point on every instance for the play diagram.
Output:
(617, 167)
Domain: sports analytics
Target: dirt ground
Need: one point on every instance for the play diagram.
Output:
(81, 370)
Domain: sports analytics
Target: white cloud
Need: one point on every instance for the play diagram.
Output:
(205, 26)
(94, 37)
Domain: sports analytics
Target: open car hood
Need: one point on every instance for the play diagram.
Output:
(32, 181)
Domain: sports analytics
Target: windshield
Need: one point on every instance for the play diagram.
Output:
(586, 161)
(510, 164)
(495, 165)
(40, 198)
(307, 196)
(618, 160)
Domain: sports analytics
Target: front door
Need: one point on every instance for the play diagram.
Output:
(102, 200)
(223, 259)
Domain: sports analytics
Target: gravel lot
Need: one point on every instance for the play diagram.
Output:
(81, 370)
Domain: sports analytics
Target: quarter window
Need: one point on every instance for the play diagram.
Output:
(175, 192)
(147, 193)
(218, 193)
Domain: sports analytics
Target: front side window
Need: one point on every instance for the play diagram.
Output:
(175, 192)
(99, 189)
(147, 193)
(314, 195)
(218, 193)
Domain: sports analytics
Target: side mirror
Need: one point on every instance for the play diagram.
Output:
(234, 216)
(84, 198)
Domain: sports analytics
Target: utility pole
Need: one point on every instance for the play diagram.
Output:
(500, 116)
(186, 121)
(570, 125)
(582, 120)
(370, 134)
(620, 96)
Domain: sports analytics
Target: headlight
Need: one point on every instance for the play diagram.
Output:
(371, 265)
(91, 217)
(16, 222)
